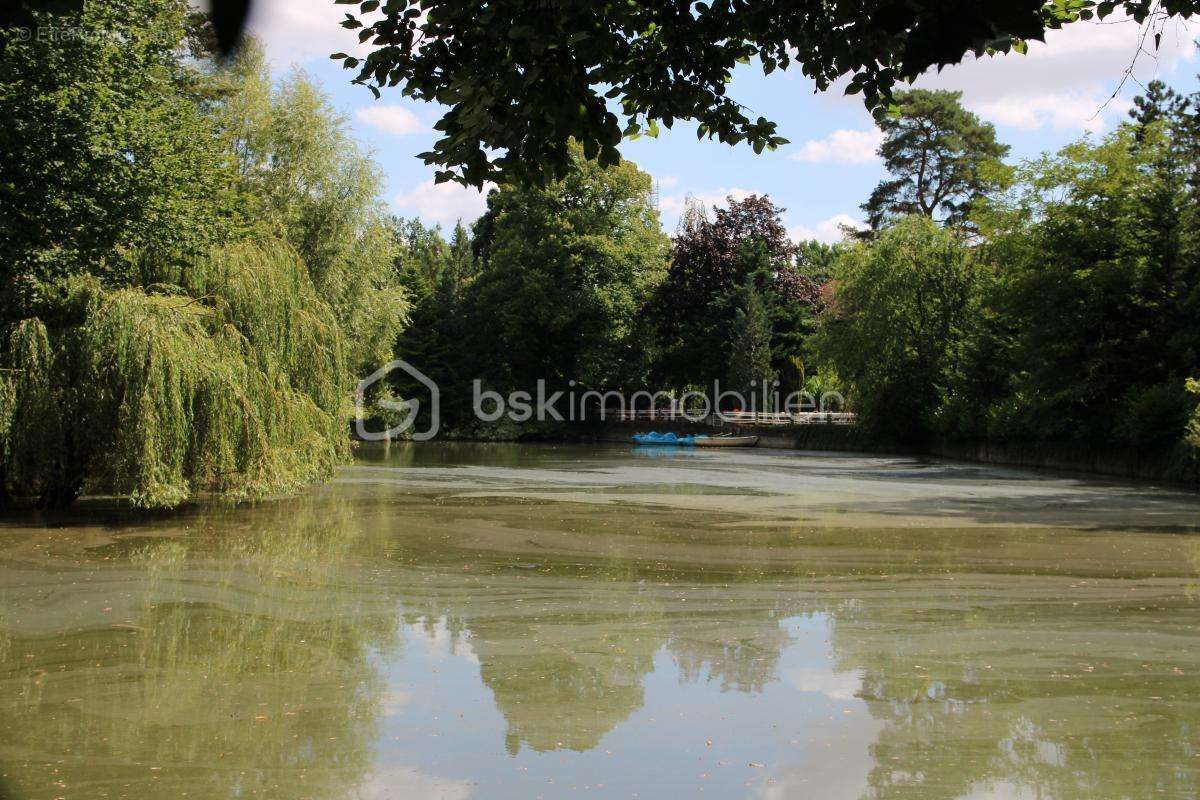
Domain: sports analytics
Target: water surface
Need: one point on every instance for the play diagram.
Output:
(470, 621)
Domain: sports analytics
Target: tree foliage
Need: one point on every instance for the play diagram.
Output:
(941, 157)
(436, 275)
(750, 349)
(546, 286)
(1100, 289)
(298, 176)
(521, 80)
(195, 268)
(562, 273)
(694, 312)
(1193, 429)
(105, 155)
(1072, 315)
(1160, 102)
(897, 305)
(158, 396)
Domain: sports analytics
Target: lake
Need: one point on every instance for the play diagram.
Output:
(504, 621)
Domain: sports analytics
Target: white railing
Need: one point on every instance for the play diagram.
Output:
(742, 417)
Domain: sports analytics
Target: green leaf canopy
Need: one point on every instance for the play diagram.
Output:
(522, 78)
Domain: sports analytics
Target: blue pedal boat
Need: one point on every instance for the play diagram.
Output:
(656, 438)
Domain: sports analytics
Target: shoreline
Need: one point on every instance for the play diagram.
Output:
(1175, 468)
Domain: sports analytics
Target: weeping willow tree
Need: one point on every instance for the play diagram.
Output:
(159, 393)
(193, 318)
(300, 177)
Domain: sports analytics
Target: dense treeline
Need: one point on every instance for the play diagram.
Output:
(1066, 307)
(195, 270)
(1053, 300)
(547, 287)
(193, 266)
(575, 285)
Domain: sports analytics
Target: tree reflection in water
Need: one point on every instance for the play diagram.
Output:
(239, 652)
(230, 658)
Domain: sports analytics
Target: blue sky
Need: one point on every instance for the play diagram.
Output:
(1057, 93)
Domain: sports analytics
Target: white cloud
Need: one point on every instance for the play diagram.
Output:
(300, 31)
(1062, 112)
(1066, 83)
(667, 181)
(390, 119)
(445, 203)
(841, 147)
(827, 231)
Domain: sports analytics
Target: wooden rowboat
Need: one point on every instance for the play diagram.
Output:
(726, 441)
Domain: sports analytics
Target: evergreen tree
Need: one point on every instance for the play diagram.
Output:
(941, 157)
(750, 350)
(1160, 102)
(431, 273)
(462, 258)
(693, 311)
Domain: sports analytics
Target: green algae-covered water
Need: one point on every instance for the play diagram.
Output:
(518, 622)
